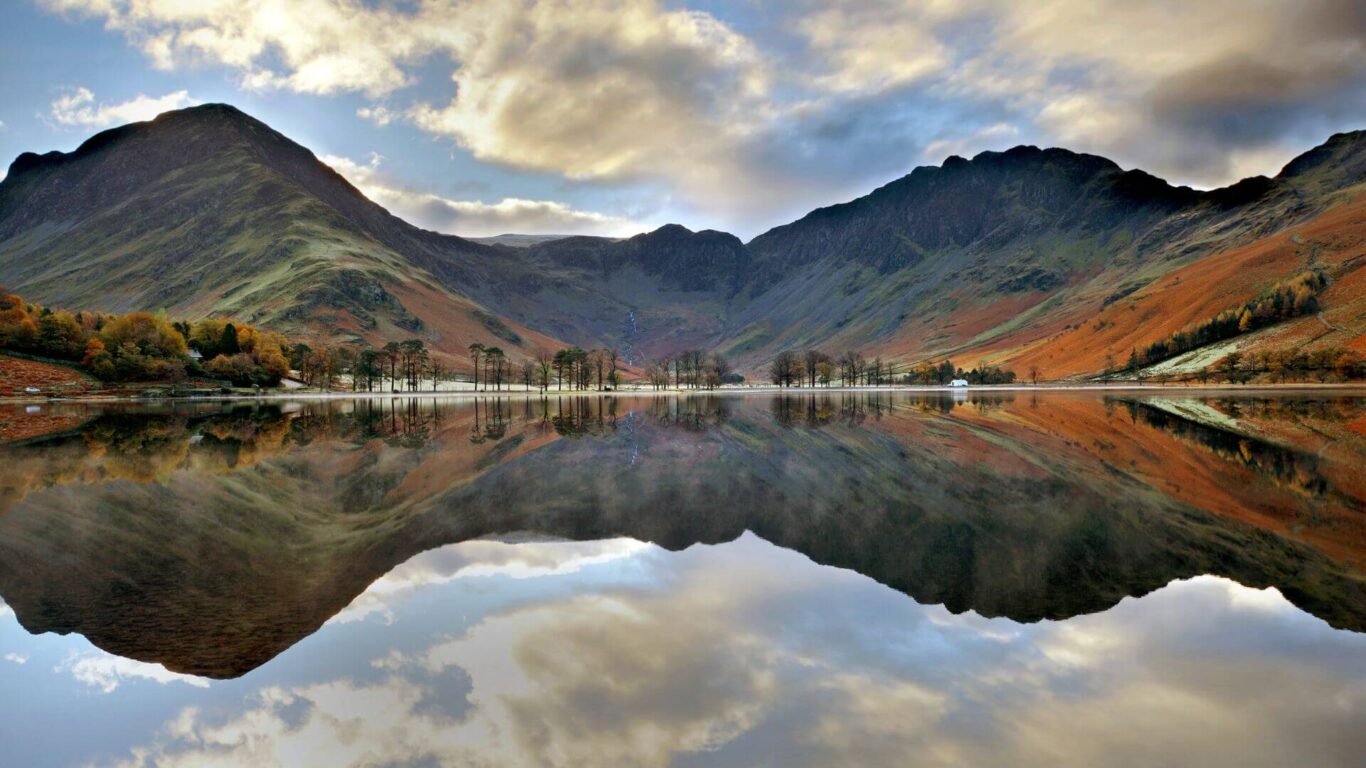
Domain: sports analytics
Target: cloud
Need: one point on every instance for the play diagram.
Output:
(743, 653)
(1187, 94)
(481, 559)
(378, 114)
(473, 218)
(17, 658)
(996, 136)
(742, 120)
(77, 109)
(107, 672)
(863, 46)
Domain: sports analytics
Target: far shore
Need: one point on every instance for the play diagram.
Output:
(471, 394)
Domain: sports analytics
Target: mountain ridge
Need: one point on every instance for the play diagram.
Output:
(981, 258)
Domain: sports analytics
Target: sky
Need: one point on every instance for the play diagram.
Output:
(611, 117)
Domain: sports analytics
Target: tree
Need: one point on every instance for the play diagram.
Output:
(438, 373)
(476, 349)
(825, 371)
(597, 360)
(228, 344)
(581, 360)
(145, 334)
(369, 366)
(657, 371)
(812, 359)
(415, 356)
(785, 368)
(1230, 365)
(61, 336)
(544, 360)
(17, 329)
(561, 360)
(493, 359)
(1034, 375)
(392, 353)
(715, 370)
(93, 348)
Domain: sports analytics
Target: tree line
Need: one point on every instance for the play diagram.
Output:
(142, 346)
(814, 367)
(1293, 364)
(1283, 300)
(410, 366)
(691, 369)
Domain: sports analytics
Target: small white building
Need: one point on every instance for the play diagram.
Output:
(958, 383)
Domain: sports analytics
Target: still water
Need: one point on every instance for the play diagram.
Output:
(889, 579)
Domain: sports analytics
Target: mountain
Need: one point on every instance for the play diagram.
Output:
(516, 240)
(1026, 258)
(982, 258)
(1029, 257)
(209, 211)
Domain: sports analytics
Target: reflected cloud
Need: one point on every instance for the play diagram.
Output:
(744, 653)
(107, 672)
(484, 558)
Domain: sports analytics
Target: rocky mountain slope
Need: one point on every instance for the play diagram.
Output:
(1029, 257)
(998, 260)
(208, 211)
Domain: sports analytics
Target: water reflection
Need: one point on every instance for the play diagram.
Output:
(191, 542)
(549, 653)
(209, 539)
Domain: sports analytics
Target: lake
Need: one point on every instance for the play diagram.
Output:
(981, 579)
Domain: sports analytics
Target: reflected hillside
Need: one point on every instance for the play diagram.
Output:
(211, 538)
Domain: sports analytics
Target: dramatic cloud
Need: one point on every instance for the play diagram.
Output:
(474, 218)
(78, 109)
(742, 120)
(1187, 93)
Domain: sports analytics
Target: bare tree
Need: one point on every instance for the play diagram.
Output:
(785, 368)
(544, 360)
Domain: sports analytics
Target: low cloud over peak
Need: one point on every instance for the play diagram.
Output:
(473, 218)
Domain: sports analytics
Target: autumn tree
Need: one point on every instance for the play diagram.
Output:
(17, 328)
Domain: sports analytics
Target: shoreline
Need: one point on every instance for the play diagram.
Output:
(1346, 388)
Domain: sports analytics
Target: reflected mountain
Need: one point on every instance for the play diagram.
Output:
(210, 538)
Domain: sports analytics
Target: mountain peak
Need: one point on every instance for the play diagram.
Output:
(1340, 160)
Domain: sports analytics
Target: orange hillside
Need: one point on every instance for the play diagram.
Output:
(1334, 241)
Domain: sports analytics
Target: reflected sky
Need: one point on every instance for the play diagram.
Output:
(819, 581)
(617, 653)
